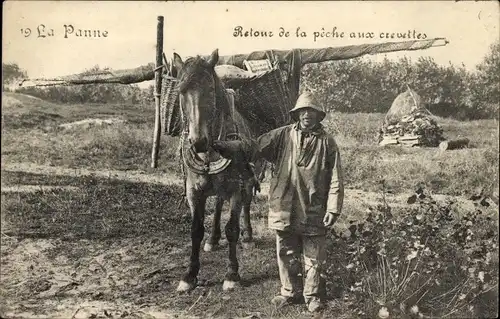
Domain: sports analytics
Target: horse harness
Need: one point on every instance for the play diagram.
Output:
(190, 158)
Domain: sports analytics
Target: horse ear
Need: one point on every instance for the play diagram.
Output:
(214, 58)
(178, 62)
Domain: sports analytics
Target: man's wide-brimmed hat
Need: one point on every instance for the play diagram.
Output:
(306, 100)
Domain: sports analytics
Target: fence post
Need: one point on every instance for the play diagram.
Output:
(158, 78)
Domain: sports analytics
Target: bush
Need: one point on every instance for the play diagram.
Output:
(428, 260)
(89, 93)
(85, 93)
(11, 73)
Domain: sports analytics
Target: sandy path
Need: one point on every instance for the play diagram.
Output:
(35, 188)
(133, 176)
(356, 196)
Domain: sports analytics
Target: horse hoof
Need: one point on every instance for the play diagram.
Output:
(184, 286)
(209, 247)
(229, 285)
(246, 236)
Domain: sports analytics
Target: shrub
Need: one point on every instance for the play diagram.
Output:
(89, 93)
(85, 93)
(11, 73)
(428, 260)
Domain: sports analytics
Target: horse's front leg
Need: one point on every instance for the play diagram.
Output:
(197, 206)
(246, 232)
(232, 230)
(215, 235)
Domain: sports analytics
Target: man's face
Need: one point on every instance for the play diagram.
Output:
(308, 117)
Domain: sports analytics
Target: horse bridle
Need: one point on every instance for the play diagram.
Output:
(217, 166)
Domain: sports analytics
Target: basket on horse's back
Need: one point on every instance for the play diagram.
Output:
(265, 100)
(171, 114)
(262, 99)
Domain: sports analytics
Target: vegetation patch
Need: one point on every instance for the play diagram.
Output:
(102, 208)
(426, 260)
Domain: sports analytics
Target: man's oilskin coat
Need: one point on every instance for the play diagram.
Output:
(307, 180)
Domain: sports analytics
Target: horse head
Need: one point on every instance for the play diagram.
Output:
(199, 96)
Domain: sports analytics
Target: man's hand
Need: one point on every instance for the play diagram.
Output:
(218, 145)
(228, 149)
(330, 219)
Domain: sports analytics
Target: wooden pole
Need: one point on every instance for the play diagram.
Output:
(158, 73)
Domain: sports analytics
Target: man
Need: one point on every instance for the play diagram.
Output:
(305, 196)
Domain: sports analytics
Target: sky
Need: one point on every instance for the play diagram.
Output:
(200, 27)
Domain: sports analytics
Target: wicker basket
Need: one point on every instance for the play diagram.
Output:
(171, 117)
(265, 101)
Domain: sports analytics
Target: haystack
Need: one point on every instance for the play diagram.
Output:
(409, 123)
(404, 104)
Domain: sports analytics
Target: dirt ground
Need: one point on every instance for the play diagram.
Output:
(130, 276)
(86, 279)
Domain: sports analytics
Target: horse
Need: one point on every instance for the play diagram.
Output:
(209, 116)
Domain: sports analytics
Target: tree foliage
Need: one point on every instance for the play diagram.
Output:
(360, 85)
(11, 73)
(486, 88)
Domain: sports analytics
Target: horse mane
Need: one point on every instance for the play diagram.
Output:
(193, 73)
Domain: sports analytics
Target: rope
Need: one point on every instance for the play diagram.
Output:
(415, 101)
(159, 67)
(183, 171)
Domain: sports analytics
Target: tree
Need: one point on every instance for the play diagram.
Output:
(486, 90)
(11, 73)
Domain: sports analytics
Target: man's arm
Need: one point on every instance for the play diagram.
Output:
(266, 146)
(336, 189)
(336, 193)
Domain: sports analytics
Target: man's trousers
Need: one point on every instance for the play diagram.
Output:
(291, 247)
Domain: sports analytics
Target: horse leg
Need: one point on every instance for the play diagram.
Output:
(232, 230)
(215, 235)
(197, 205)
(246, 232)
